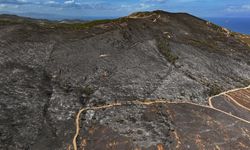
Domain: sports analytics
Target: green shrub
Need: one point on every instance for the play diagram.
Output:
(79, 26)
(203, 43)
(246, 82)
(164, 48)
(87, 90)
(214, 90)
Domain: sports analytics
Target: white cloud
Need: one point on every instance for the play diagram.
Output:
(160, 1)
(69, 2)
(144, 6)
(23, 1)
(51, 2)
(246, 7)
(8, 6)
(3, 6)
(242, 8)
(153, 1)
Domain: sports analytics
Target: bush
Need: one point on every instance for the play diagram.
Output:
(214, 90)
(79, 26)
(164, 48)
(87, 90)
(246, 82)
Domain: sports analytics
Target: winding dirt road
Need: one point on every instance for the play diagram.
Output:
(140, 102)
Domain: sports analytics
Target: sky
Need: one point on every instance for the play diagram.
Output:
(80, 9)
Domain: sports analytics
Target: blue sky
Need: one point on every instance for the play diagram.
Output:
(113, 8)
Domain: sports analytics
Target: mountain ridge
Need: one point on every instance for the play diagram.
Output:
(49, 71)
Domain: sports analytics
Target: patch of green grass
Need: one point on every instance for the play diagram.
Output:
(202, 43)
(14, 22)
(141, 14)
(56, 25)
(87, 90)
(215, 27)
(6, 22)
(79, 26)
(246, 82)
(164, 48)
(215, 89)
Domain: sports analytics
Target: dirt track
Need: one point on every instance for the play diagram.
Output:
(139, 102)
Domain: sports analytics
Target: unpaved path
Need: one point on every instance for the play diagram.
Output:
(140, 102)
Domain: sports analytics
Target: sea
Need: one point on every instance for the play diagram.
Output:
(241, 25)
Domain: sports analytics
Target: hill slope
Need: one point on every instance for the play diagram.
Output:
(51, 70)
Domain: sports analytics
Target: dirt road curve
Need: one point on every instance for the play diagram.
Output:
(228, 108)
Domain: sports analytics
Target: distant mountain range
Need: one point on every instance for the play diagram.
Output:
(56, 16)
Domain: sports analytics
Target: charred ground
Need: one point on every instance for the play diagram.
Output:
(50, 70)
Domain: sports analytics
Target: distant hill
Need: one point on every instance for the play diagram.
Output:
(239, 24)
(55, 17)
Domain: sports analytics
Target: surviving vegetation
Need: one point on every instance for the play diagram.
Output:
(164, 48)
